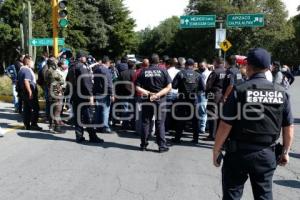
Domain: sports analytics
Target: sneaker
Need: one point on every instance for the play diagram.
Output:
(80, 139)
(107, 130)
(96, 140)
(35, 128)
(143, 147)
(176, 141)
(58, 130)
(208, 139)
(163, 149)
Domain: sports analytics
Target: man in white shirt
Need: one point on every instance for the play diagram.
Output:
(202, 100)
(172, 95)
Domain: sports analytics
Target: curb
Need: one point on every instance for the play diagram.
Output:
(9, 99)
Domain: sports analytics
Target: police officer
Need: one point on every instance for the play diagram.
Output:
(83, 94)
(154, 83)
(29, 93)
(233, 76)
(187, 81)
(251, 137)
(214, 87)
(54, 82)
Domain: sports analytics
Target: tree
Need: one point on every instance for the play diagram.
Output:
(200, 43)
(97, 26)
(160, 39)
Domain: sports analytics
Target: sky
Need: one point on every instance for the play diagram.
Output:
(149, 13)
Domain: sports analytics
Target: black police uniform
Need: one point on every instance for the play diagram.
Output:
(187, 83)
(214, 88)
(250, 149)
(233, 77)
(153, 79)
(86, 89)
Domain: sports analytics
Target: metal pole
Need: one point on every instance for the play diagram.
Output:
(22, 38)
(220, 50)
(55, 28)
(29, 27)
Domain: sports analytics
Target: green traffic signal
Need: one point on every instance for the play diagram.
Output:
(63, 23)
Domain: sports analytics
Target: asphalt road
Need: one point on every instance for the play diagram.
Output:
(42, 166)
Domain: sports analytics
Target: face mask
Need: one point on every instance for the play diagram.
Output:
(201, 70)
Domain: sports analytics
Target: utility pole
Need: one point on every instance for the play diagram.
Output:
(220, 20)
(29, 15)
(55, 27)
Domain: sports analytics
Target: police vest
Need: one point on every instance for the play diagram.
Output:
(190, 82)
(260, 119)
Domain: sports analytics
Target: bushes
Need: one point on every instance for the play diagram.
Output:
(6, 88)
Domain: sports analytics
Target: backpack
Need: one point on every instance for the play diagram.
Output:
(12, 72)
(190, 82)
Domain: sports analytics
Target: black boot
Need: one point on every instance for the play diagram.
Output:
(79, 138)
(95, 139)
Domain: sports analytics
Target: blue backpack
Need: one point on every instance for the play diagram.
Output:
(12, 72)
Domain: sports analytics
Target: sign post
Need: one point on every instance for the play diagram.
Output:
(198, 21)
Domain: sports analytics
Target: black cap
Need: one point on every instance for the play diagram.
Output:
(259, 57)
(81, 54)
(190, 62)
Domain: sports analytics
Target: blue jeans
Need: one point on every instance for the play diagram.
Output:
(202, 103)
(102, 111)
(169, 124)
(15, 96)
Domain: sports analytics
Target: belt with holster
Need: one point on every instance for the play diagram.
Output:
(232, 146)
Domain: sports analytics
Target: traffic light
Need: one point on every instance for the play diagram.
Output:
(62, 13)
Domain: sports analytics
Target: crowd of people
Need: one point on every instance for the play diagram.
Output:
(243, 105)
(98, 95)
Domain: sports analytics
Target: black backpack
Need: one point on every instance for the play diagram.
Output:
(190, 82)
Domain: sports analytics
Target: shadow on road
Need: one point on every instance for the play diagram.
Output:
(47, 136)
(294, 155)
(11, 116)
(296, 121)
(288, 183)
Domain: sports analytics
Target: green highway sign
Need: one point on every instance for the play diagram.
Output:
(198, 21)
(39, 42)
(245, 20)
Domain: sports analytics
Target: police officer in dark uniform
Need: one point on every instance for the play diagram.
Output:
(251, 135)
(154, 83)
(214, 88)
(187, 81)
(83, 85)
(233, 76)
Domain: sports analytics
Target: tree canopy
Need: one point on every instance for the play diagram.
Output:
(276, 35)
(97, 26)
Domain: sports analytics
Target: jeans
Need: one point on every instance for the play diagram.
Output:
(202, 103)
(102, 111)
(127, 115)
(15, 96)
(169, 124)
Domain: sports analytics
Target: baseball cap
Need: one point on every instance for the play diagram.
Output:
(259, 57)
(81, 54)
(190, 62)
